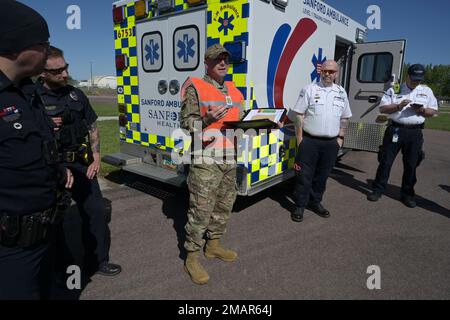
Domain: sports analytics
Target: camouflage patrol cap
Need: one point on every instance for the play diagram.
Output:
(214, 51)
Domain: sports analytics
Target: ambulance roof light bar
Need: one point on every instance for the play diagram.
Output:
(280, 3)
(118, 15)
(165, 5)
(140, 9)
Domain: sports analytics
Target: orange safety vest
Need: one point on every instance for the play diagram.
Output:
(209, 98)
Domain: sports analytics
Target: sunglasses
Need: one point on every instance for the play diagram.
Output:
(328, 71)
(57, 71)
(225, 58)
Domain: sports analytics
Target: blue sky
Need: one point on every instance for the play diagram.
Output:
(424, 24)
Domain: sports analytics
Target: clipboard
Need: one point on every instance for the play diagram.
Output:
(263, 118)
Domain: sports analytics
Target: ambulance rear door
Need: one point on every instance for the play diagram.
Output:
(169, 50)
(374, 66)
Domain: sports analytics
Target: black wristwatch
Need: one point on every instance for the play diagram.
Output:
(341, 137)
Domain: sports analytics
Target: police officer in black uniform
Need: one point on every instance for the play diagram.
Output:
(28, 157)
(75, 128)
(407, 107)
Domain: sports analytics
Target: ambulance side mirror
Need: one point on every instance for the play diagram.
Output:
(237, 50)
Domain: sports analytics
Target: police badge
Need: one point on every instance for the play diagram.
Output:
(73, 96)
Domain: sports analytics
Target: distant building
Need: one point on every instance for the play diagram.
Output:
(109, 82)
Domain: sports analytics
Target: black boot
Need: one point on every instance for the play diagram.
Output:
(408, 201)
(319, 210)
(297, 214)
(374, 196)
(109, 269)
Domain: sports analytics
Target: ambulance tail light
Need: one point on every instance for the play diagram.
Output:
(121, 62)
(193, 3)
(123, 120)
(122, 108)
(280, 3)
(118, 15)
(140, 9)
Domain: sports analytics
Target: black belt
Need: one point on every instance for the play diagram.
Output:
(70, 156)
(407, 126)
(26, 230)
(306, 134)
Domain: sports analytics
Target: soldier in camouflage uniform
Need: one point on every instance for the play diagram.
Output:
(212, 184)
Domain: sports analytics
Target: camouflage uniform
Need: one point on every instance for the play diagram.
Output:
(212, 187)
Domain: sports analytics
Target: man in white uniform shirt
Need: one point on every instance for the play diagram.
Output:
(321, 116)
(407, 111)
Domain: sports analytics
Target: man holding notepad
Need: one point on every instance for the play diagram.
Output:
(407, 109)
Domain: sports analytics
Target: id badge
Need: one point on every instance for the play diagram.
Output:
(395, 138)
(229, 101)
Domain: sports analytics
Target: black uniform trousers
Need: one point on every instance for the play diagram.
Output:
(96, 235)
(410, 142)
(315, 160)
(25, 272)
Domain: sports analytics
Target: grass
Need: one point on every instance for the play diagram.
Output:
(441, 122)
(105, 109)
(109, 130)
(98, 91)
(109, 143)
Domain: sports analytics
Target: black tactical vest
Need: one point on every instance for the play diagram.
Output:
(74, 130)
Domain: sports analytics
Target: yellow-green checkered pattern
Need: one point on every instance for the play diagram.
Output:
(127, 81)
(228, 21)
(269, 154)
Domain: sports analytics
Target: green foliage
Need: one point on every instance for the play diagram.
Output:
(437, 78)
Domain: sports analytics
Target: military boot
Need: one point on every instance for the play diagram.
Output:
(195, 269)
(213, 249)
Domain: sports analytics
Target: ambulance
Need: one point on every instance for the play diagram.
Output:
(275, 46)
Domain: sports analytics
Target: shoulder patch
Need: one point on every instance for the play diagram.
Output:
(302, 93)
(73, 96)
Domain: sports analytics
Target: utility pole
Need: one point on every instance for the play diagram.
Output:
(92, 79)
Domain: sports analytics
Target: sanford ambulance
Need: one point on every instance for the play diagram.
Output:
(275, 45)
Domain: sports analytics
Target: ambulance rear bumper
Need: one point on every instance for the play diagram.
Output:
(136, 166)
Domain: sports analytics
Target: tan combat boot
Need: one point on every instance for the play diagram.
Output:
(213, 249)
(195, 269)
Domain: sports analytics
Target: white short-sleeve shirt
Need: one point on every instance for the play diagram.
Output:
(421, 95)
(323, 107)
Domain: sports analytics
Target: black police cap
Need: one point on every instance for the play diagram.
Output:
(416, 72)
(20, 27)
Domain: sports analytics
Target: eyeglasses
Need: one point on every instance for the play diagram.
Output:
(328, 71)
(57, 71)
(225, 59)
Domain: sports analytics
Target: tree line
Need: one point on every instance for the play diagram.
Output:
(437, 78)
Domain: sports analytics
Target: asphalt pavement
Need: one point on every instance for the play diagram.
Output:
(279, 259)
